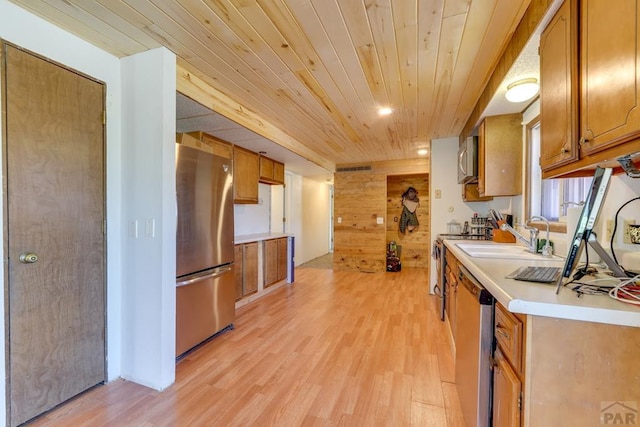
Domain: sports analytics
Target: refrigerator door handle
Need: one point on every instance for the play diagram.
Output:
(219, 272)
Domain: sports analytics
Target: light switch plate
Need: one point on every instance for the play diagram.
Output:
(380, 220)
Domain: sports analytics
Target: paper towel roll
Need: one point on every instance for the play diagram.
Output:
(573, 215)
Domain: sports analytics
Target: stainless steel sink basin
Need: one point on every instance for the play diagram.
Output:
(506, 251)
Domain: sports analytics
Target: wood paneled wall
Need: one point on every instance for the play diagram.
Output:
(359, 242)
(415, 245)
(360, 197)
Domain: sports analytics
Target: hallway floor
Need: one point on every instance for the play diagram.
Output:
(334, 348)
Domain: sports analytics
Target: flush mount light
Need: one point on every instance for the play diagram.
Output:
(522, 90)
(385, 111)
(422, 152)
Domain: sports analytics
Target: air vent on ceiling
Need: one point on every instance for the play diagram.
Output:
(354, 168)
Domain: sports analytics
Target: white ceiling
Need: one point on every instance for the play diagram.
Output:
(192, 116)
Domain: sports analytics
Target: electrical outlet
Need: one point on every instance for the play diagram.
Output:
(626, 237)
(609, 230)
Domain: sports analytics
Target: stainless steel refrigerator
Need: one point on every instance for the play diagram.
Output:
(205, 287)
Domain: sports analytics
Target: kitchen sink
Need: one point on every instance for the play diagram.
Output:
(507, 251)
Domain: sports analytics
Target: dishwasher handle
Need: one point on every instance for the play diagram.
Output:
(474, 287)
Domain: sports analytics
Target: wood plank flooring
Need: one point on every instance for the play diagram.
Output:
(334, 348)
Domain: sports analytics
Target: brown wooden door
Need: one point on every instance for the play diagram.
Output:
(55, 209)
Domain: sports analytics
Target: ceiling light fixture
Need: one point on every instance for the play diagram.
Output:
(422, 152)
(522, 90)
(385, 111)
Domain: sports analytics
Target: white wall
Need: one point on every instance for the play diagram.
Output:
(277, 208)
(443, 177)
(316, 208)
(294, 212)
(254, 219)
(149, 264)
(25, 30)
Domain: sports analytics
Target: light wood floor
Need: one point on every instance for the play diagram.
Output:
(335, 348)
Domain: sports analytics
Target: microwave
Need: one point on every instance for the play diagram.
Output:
(468, 160)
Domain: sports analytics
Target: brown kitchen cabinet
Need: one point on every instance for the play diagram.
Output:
(271, 171)
(507, 389)
(508, 368)
(246, 268)
(500, 155)
(245, 176)
(451, 291)
(275, 260)
(610, 106)
(218, 146)
(590, 99)
(470, 193)
(238, 270)
(558, 88)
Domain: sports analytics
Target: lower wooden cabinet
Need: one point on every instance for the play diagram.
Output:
(275, 260)
(508, 368)
(507, 392)
(246, 268)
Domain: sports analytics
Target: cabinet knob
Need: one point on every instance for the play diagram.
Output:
(583, 140)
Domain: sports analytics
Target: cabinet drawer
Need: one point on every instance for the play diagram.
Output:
(508, 333)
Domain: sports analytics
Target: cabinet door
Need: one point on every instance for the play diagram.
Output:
(506, 394)
(278, 172)
(266, 169)
(470, 193)
(238, 270)
(559, 88)
(245, 175)
(481, 158)
(452, 301)
(270, 257)
(250, 268)
(610, 101)
(282, 259)
(500, 155)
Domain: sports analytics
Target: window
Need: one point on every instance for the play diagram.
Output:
(550, 198)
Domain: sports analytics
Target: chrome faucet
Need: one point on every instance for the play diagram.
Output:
(547, 250)
(531, 242)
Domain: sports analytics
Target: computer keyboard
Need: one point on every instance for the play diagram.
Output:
(537, 274)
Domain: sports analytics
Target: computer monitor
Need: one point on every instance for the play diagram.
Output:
(583, 232)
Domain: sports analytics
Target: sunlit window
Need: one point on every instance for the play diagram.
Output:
(551, 197)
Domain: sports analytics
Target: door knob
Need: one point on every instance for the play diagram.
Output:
(28, 258)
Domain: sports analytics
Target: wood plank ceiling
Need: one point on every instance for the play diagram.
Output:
(317, 70)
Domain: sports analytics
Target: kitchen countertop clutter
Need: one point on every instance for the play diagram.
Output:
(541, 299)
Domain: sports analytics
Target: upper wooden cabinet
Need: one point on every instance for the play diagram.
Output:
(245, 175)
(500, 155)
(470, 193)
(610, 90)
(558, 96)
(271, 171)
(589, 64)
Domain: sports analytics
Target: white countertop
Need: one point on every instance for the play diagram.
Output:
(247, 238)
(541, 299)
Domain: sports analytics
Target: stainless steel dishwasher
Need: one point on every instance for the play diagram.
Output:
(474, 333)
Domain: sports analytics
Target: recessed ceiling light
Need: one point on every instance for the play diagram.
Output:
(422, 152)
(385, 111)
(522, 90)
